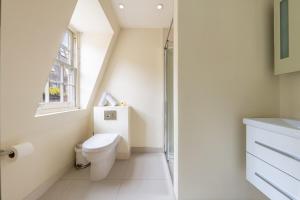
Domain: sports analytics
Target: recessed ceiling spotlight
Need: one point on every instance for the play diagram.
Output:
(121, 6)
(160, 6)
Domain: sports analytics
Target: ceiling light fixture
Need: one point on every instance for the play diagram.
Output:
(121, 6)
(160, 6)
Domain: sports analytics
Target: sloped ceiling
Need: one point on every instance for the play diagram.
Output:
(96, 33)
(89, 16)
(96, 36)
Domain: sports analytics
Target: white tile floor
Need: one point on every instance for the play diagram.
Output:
(142, 177)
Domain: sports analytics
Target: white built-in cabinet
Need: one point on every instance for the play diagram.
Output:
(273, 157)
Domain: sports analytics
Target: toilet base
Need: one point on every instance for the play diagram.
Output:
(101, 151)
(101, 168)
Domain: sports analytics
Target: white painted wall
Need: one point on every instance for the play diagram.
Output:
(30, 35)
(93, 48)
(27, 50)
(224, 73)
(135, 75)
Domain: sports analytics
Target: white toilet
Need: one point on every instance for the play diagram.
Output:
(101, 150)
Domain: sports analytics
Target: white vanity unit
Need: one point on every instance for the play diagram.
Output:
(273, 157)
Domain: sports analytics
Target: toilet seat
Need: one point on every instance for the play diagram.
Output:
(99, 142)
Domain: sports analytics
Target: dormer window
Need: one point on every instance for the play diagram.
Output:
(61, 90)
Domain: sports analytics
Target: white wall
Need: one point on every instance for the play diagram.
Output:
(225, 73)
(135, 75)
(30, 35)
(27, 50)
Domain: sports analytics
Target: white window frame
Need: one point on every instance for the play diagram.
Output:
(54, 107)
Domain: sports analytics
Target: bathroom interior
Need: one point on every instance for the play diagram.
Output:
(150, 99)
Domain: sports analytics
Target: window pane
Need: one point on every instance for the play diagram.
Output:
(55, 74)
(69, 76)
(61, 86)
(65, 50)
(64, 55)
(69, 94)
(66, 40)
(54, 92)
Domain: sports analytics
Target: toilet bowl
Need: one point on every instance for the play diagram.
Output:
(101, 151)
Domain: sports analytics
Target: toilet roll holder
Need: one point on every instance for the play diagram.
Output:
(8, 153)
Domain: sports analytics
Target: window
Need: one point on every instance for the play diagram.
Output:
(61, 88)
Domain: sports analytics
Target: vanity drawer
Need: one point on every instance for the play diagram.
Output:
(281, 151)
(272, 182)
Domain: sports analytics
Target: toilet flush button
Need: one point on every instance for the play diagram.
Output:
(110, 115)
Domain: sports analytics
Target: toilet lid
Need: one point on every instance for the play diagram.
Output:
(99, 142)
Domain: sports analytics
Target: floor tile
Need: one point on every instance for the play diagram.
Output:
(145, 189)
(147, 166)
(78, 174)
(87, 190)
(83, 190)
(118, 171)
(56, 191)
(142, 177)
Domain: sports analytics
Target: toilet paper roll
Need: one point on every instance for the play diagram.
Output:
(21, 150)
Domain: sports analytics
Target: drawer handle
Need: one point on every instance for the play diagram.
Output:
(275, 187)
(294, 157)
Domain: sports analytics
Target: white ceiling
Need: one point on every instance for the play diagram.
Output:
(144, 13)
(89, 16)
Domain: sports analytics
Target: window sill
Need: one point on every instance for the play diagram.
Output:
(55, 111)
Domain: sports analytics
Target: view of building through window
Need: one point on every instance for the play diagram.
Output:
(61, 86)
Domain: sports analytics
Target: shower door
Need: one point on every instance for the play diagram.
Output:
(168, 109)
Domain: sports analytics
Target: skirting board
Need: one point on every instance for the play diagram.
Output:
(146, 150)
(44, 187)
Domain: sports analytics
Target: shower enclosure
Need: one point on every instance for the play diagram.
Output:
(168, 102)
